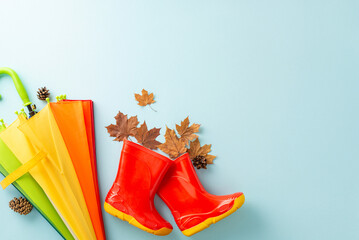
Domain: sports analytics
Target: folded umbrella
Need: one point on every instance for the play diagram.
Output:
(38, 144)
(26, 184)
(46, 146)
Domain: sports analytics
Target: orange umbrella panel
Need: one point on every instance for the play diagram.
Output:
(75, 122)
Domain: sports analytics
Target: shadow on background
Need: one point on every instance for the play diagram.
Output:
(245, 223)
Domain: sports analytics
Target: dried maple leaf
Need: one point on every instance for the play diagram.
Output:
(124, 127)
(145, 98)
(147, 138)
(187, 132)
(173, 146)
(210, 158)
(195, 150)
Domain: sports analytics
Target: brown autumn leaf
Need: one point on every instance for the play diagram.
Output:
(172, 146)
(195, 150)
(210, 158)
(145, 98)
(148, 138)
(123, 128)
(187, 132)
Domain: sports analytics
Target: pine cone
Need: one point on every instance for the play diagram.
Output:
(43, 93)
(20, 205)
(200, 162)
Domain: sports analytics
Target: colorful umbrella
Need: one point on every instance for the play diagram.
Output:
(56, 146)
(38, 144)
(26, 184)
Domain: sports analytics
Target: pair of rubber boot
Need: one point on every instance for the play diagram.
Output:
(142, 173)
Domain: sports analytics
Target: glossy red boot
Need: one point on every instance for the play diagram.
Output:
(192, 207)
(131, 196)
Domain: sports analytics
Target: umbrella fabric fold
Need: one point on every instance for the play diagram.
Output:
(75, 121)
(54, 172)
(32, 191)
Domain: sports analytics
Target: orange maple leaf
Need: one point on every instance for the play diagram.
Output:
(145, 98)
(195, 150)
(187, 132)
(173, 146)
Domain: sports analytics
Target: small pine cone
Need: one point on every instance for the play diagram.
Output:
(43, 93)
(200, 162)
(20, 205)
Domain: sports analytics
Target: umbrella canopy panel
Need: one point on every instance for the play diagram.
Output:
(75, 122)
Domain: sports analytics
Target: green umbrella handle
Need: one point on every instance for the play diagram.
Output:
(19, 87)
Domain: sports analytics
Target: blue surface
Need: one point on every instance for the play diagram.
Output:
(273, 83)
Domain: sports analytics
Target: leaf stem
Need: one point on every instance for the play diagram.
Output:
(152, 108)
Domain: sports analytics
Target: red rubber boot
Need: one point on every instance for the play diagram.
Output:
(131, 196)
(192, 207)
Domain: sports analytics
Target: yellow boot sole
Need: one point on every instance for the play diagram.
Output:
(131, 220)
(238, 202)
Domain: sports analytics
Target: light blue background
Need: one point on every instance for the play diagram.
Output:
(273, 83)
